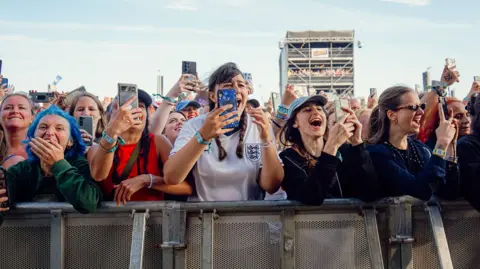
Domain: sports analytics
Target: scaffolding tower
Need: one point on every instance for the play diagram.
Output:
(317, 61)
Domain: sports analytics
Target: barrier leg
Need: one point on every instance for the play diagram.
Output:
(57, 236)
(373, 238)
(400, 236)
(287, 243)
(207, 240)
(174, 225)
(138, 240)
(441, 244)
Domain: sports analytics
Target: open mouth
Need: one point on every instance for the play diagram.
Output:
(416, 121)
(316, 123)
(239, 101)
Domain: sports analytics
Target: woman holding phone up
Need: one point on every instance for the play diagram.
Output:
(319, 163)
(233, 164)
(128, 160)
(406, 166)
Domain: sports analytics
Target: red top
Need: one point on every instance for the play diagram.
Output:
(124, 153)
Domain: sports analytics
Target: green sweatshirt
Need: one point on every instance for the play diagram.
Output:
(70, 182)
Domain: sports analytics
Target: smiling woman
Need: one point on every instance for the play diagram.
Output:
(228, 164)
(16, 115)
(56, 170)
(317, 167)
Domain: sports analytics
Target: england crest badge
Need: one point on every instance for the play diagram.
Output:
(253, 152)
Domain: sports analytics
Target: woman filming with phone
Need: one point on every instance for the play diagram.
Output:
(128, 160)
(231, 153)
(406, 166)
(89, 112)
(325, 161)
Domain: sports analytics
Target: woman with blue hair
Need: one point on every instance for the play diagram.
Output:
(56, 169)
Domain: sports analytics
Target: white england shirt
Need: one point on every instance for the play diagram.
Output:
(232, 179)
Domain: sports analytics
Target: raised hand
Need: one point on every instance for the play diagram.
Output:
(214, 123)
(447, 129)
(123, 117)
(260, 119)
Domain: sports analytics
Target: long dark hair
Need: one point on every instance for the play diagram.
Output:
(223, 74)
(473, 108)
(144, 151)
(379, 124)
(102, 122)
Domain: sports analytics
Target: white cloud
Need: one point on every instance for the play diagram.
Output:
(411, 2)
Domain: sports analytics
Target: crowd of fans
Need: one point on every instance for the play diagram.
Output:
(319, 72)
(399, 144)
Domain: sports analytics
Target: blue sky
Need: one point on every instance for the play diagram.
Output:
(98, 43)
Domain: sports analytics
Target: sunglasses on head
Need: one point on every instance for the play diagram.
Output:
(412, 107)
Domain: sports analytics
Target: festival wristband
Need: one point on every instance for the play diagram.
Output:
(451, 159)
(440, 153)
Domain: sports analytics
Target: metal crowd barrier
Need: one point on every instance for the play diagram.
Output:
(393, 233)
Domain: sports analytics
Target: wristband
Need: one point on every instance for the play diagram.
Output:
(109, 150)
(451, 159)
(200, 139)
(282, 109)
(267, 144)
(110, 140)
(151, 181)
(440, 153)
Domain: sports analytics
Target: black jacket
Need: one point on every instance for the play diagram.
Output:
(351, 175)
(468, 149)
(437, 176)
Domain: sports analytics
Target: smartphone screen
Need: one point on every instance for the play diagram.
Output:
(228, 97)
(444, 106)
(125, 92)
(276, 100)
(86, 123)
(5, 81)
(476, 78)
(71, 95)
(42, 97)
(3, 185)
(338, 104)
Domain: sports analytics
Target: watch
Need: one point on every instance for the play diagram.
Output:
(200, 140)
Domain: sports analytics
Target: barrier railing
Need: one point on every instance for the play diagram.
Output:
(393, 233)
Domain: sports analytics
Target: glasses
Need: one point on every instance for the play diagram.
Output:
(412, 107)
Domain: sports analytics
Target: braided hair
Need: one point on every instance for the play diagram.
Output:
(223, 74)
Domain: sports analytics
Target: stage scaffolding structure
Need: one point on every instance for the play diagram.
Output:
(314, 61)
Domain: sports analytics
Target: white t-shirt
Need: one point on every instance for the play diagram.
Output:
(232, 179)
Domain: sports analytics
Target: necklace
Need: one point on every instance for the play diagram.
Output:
(408, 159)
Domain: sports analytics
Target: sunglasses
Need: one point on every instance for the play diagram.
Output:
(412, 107)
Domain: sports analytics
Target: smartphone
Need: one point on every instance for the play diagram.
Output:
(125, 92)
(41, 97)
(276, 100)
(442, 101)
(476, 78)
(1, 66)
(3, 185)
(373, 92)
(337, 105)
(71, 95)
(5, 81)
(228, 97)
(86, 123)
(450, 63)
(189, 68)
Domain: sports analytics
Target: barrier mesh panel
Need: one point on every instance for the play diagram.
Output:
(25, 247)
(463, 236)
(152, 257)
(194, 245)
(424, 253)
(331, 244)
(97, 246)
(244, 244)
